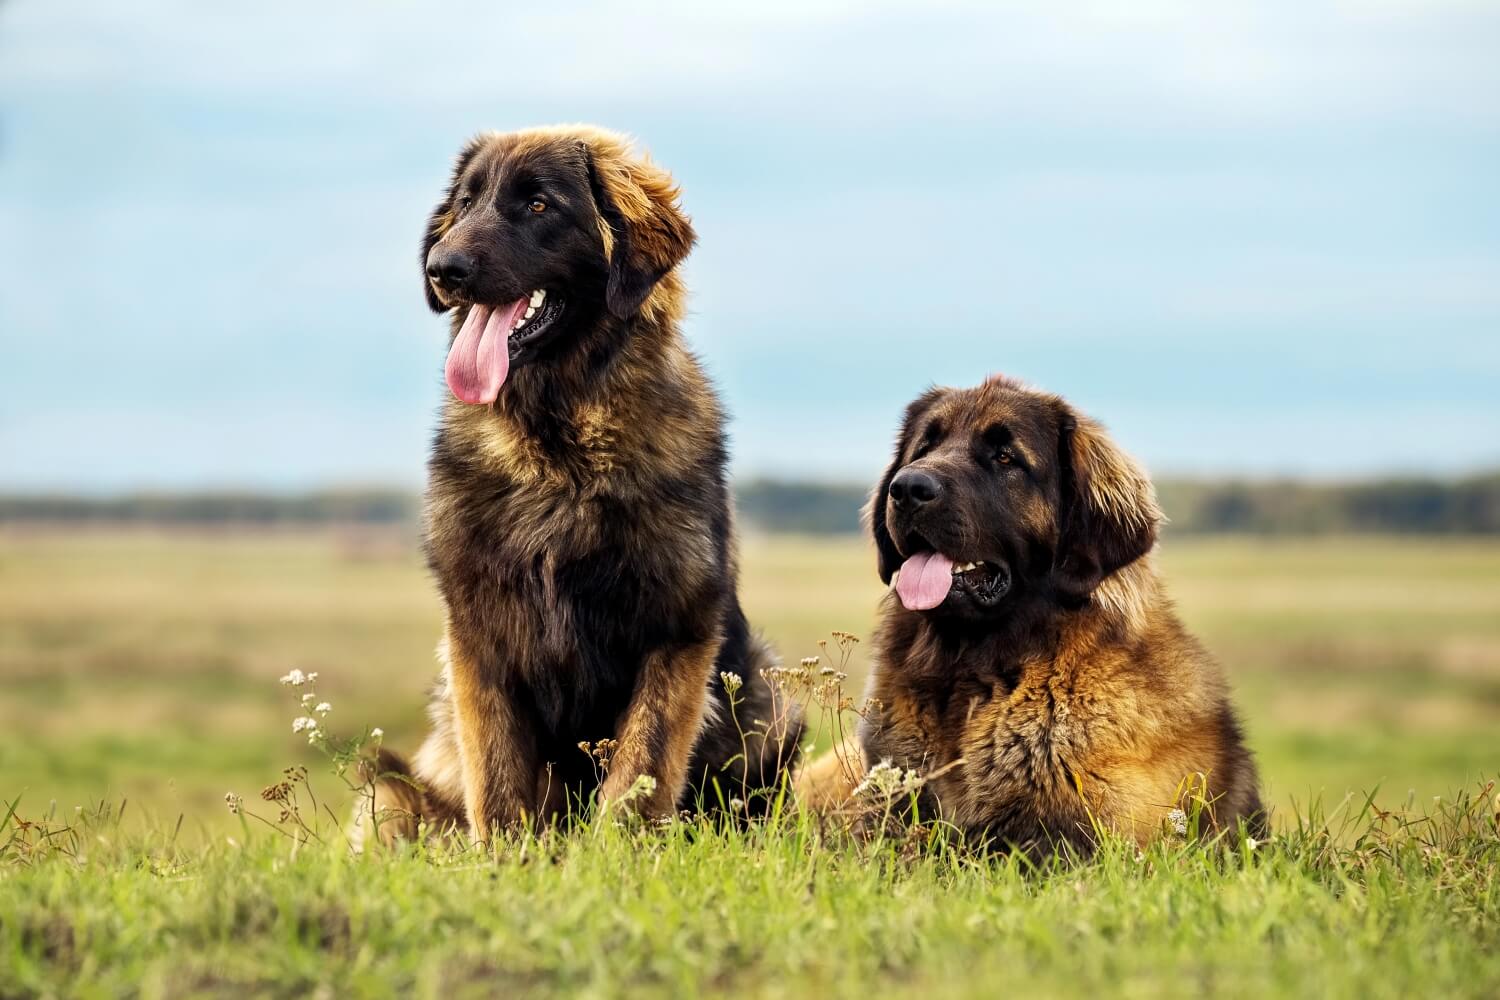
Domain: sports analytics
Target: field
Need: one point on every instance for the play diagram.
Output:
(141, 668)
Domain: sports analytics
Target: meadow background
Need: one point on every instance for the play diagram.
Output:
(142, 664)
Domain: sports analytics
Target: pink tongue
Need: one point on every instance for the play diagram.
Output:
(479, 359)
(925, 581)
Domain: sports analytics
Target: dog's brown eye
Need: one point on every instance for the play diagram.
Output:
(536, 206)
(1005, 456)
(464, 203)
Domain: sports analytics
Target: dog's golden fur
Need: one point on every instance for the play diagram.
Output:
(1078, 698)
(580, 527)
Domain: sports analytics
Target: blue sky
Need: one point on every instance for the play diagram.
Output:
(1257, 239)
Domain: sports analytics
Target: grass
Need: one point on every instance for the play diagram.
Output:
(142, 668)
(1381, 905)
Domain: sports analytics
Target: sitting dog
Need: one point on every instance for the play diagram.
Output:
(578, 517)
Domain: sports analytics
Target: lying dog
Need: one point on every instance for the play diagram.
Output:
(578, 515)
(1027, 657)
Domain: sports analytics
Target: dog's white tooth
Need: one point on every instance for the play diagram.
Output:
(537, 297)
(530, 312)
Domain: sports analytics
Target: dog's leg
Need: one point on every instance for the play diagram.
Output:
(828, 783)
(397, 805)
(660, 727)
(497, 747)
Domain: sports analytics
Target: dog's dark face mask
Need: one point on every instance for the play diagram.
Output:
(1001, 493)
(545, 238)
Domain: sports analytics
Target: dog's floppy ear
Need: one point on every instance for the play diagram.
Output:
(442, 218)
(888, 559)
(645, 231)
(1109, 515)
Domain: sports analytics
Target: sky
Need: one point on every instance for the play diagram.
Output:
(1254, 239)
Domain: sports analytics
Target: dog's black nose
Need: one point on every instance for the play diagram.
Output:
(449, 269)
(912, 488)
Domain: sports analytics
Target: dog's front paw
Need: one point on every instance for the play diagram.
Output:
(637, 793)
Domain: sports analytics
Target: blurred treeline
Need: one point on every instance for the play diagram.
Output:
(1468, 506)
(222, 508)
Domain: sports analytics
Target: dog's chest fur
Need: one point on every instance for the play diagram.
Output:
(566, 557)
(996, 739)
(1020, 748)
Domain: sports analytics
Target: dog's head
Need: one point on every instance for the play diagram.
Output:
(1000, 491)
(543, 237)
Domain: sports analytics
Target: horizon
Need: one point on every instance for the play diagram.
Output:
(414, 490)
(1259, 243)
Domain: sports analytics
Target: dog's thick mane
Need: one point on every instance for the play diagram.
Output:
(1129, 593)
(647, 401)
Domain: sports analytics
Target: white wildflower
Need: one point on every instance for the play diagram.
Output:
(323, 708)
(296, 678)
(376, 733)
(886, 781)
(643, 787)
(309, 698)
(1251, 843)
(732, 682)
(737, 805)
(304, 723)
(1177, 819)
